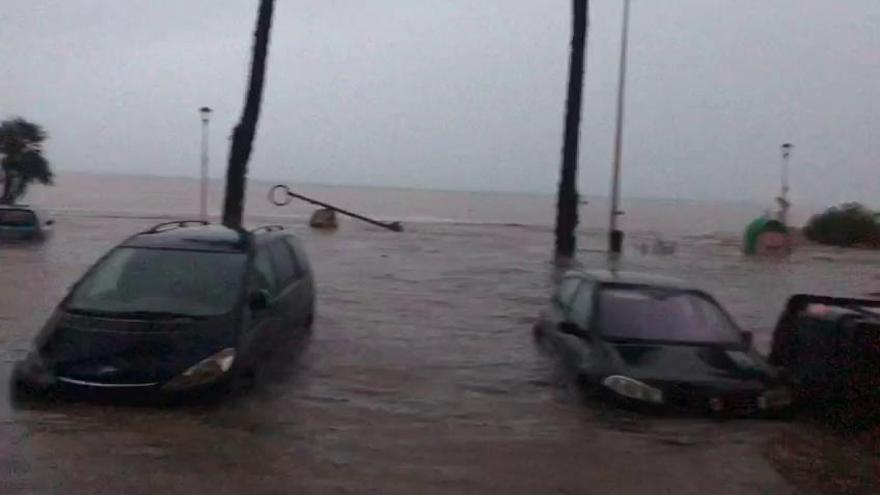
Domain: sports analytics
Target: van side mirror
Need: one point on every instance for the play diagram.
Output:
(50, 222)
(748, 337)
(572, 329)
(259, 300)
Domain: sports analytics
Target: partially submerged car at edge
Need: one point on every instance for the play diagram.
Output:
(182, 307)
(828, 348)
(24, 223)
(655, 341)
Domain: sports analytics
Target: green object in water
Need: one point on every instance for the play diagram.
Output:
(757, 228)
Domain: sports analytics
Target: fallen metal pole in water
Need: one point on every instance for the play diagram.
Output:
(288, 194)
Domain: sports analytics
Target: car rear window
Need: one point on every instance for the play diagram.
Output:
(17, 218)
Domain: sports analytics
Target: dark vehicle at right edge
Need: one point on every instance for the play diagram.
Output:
(653, 341)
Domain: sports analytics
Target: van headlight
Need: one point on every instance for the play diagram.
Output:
(775, 398)
(34, 370)
(633, 389)
(206, 371)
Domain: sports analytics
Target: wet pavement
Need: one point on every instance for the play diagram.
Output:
(420, 377)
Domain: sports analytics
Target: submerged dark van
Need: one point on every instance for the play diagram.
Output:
(181, 307)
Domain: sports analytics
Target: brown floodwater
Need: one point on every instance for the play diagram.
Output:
(420, 377)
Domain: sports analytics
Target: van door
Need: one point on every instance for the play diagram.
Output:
(557, 314)
(262, 324)
(306, 300)
(581, 343)
(291, 286)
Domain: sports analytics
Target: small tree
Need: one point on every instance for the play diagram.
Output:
(845, 225)
(22, 163)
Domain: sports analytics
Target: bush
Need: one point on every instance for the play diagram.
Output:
(849, 224)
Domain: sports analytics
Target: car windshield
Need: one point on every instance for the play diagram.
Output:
(636, 313)
(162, 282)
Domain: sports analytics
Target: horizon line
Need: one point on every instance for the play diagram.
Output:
(549, 194)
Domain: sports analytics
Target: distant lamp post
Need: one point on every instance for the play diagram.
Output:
(615, 235)
(205, 113)
(783, 196)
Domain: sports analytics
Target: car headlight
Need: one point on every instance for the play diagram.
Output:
(633, 389)
(205, 371)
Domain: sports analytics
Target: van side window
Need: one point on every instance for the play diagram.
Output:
(263, 274)
(566, 290)
(283, 260)
(298, 265)
(582, 306)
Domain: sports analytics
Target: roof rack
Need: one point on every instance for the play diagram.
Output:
(267, 228)
(175, 225)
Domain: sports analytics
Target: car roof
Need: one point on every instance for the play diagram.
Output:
(202, 237)
(631, 278)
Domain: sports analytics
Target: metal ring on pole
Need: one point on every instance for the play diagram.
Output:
(285, 200)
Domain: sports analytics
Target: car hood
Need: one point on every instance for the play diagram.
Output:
(131, 351)
(700, 366)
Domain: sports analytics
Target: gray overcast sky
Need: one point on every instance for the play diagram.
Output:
(461, 94)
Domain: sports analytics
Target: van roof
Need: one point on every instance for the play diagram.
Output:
(198, 235)
(203, 237)
(18, 207)
(632, 278)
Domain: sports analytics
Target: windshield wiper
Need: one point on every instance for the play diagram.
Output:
(679, 342)
(147, 315)
(158, 315)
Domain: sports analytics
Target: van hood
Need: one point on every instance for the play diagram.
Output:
(116, 351)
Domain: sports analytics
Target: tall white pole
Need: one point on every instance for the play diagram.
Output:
(615, 236)
(203, 196)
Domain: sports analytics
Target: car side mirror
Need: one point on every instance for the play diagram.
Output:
(572, 329)
(259, 300)
(748, 337)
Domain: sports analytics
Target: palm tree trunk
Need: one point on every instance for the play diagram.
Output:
(8, 188)
(567, 199)
(243, 134)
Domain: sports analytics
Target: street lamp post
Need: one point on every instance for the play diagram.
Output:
(615, 235)
(205, 113)
(783, 197)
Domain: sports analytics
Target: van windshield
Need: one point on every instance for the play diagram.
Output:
(17, 218)
(636, 314)
(161, 282)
